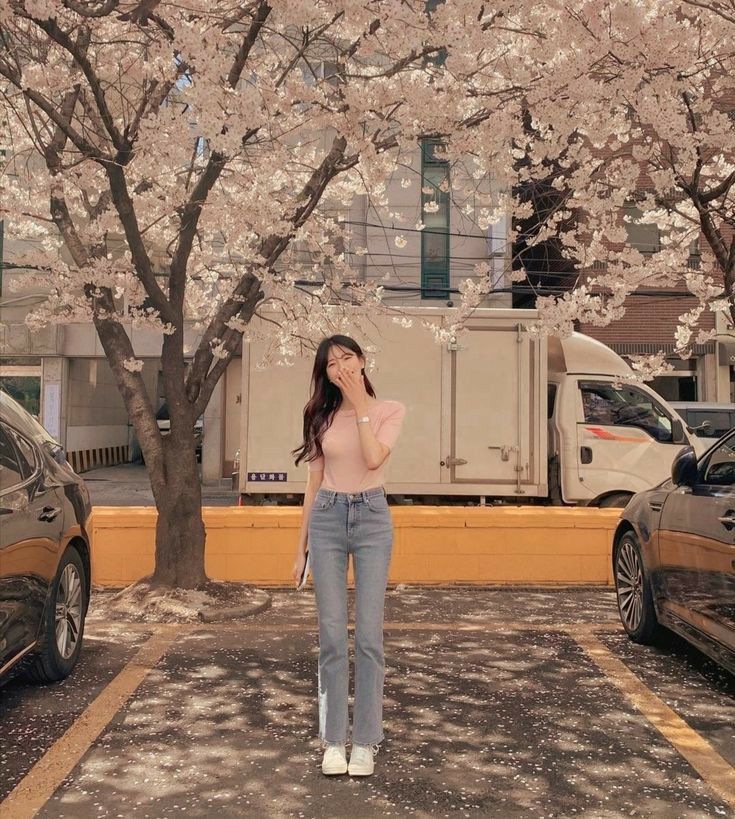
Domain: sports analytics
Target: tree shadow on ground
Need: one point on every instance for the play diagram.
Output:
(500, 723)
(34, 716)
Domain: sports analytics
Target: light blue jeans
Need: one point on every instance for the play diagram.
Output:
(343, 524)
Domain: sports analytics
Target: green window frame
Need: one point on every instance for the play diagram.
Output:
(435, 235)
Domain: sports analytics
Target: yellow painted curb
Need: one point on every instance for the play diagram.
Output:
(443, 544)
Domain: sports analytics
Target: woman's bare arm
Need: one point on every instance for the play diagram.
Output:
(313, 482)
(373, 450)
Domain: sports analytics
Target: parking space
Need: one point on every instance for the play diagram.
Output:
(503, 702)
(34, 717)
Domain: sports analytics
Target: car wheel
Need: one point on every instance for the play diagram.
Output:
(63, 626)
(633, 590)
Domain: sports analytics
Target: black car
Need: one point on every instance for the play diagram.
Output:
(674, 555)
(45, 555)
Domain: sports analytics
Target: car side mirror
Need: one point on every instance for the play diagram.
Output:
(684, 469)
(678, 436)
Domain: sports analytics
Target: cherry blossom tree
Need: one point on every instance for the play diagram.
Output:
(171, 164)
(190, 165)
(647, 93)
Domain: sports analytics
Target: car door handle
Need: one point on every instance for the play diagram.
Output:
(727, 520)
(585, 455)
(49, 513)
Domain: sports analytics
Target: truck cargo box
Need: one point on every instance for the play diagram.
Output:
(475, 408)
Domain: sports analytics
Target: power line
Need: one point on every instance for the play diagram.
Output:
(484, 236)
(519, 289)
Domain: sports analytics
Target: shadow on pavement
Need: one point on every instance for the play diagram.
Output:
(499, 723)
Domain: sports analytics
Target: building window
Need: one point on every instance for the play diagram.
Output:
(643, 236)
(694, 262)
(435, 217)
(675, 387)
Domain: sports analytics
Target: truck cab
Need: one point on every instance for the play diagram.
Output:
(609, 436)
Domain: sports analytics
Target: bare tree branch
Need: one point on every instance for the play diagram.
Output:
(247, 44)
(719, 190)
(53, 114)
(271, 249)
(192, 210)
(715, 8)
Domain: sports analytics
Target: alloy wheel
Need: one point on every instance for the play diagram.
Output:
(68, 610)
(629, 577)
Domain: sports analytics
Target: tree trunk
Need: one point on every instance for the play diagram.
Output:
(180, 535)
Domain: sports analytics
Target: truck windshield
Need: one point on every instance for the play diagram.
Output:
(624, 405)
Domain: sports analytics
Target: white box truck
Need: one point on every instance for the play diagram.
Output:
(499, 414)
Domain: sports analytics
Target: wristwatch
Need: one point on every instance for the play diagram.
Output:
(363, 420)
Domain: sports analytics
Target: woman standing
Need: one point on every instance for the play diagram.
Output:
(348, 436)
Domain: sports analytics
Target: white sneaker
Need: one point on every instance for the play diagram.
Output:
(362, 761)
(334, 760)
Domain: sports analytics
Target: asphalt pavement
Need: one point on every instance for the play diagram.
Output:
(498, 702)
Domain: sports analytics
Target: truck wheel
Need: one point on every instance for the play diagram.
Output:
(251, 499)
(62, 629)
(633, 592)
(617, 500)
(555, 482)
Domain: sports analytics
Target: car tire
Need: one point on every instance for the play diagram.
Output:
(633, 592)
(62, 630)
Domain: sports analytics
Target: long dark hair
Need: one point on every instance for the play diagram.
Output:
(326, 398)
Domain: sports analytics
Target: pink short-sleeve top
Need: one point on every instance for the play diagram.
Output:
(343, 463)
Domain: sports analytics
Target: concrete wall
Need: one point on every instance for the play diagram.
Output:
(96, 414)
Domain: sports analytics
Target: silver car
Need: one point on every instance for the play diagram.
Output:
(706, 420)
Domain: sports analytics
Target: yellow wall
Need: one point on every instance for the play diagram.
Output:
(432, 545)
